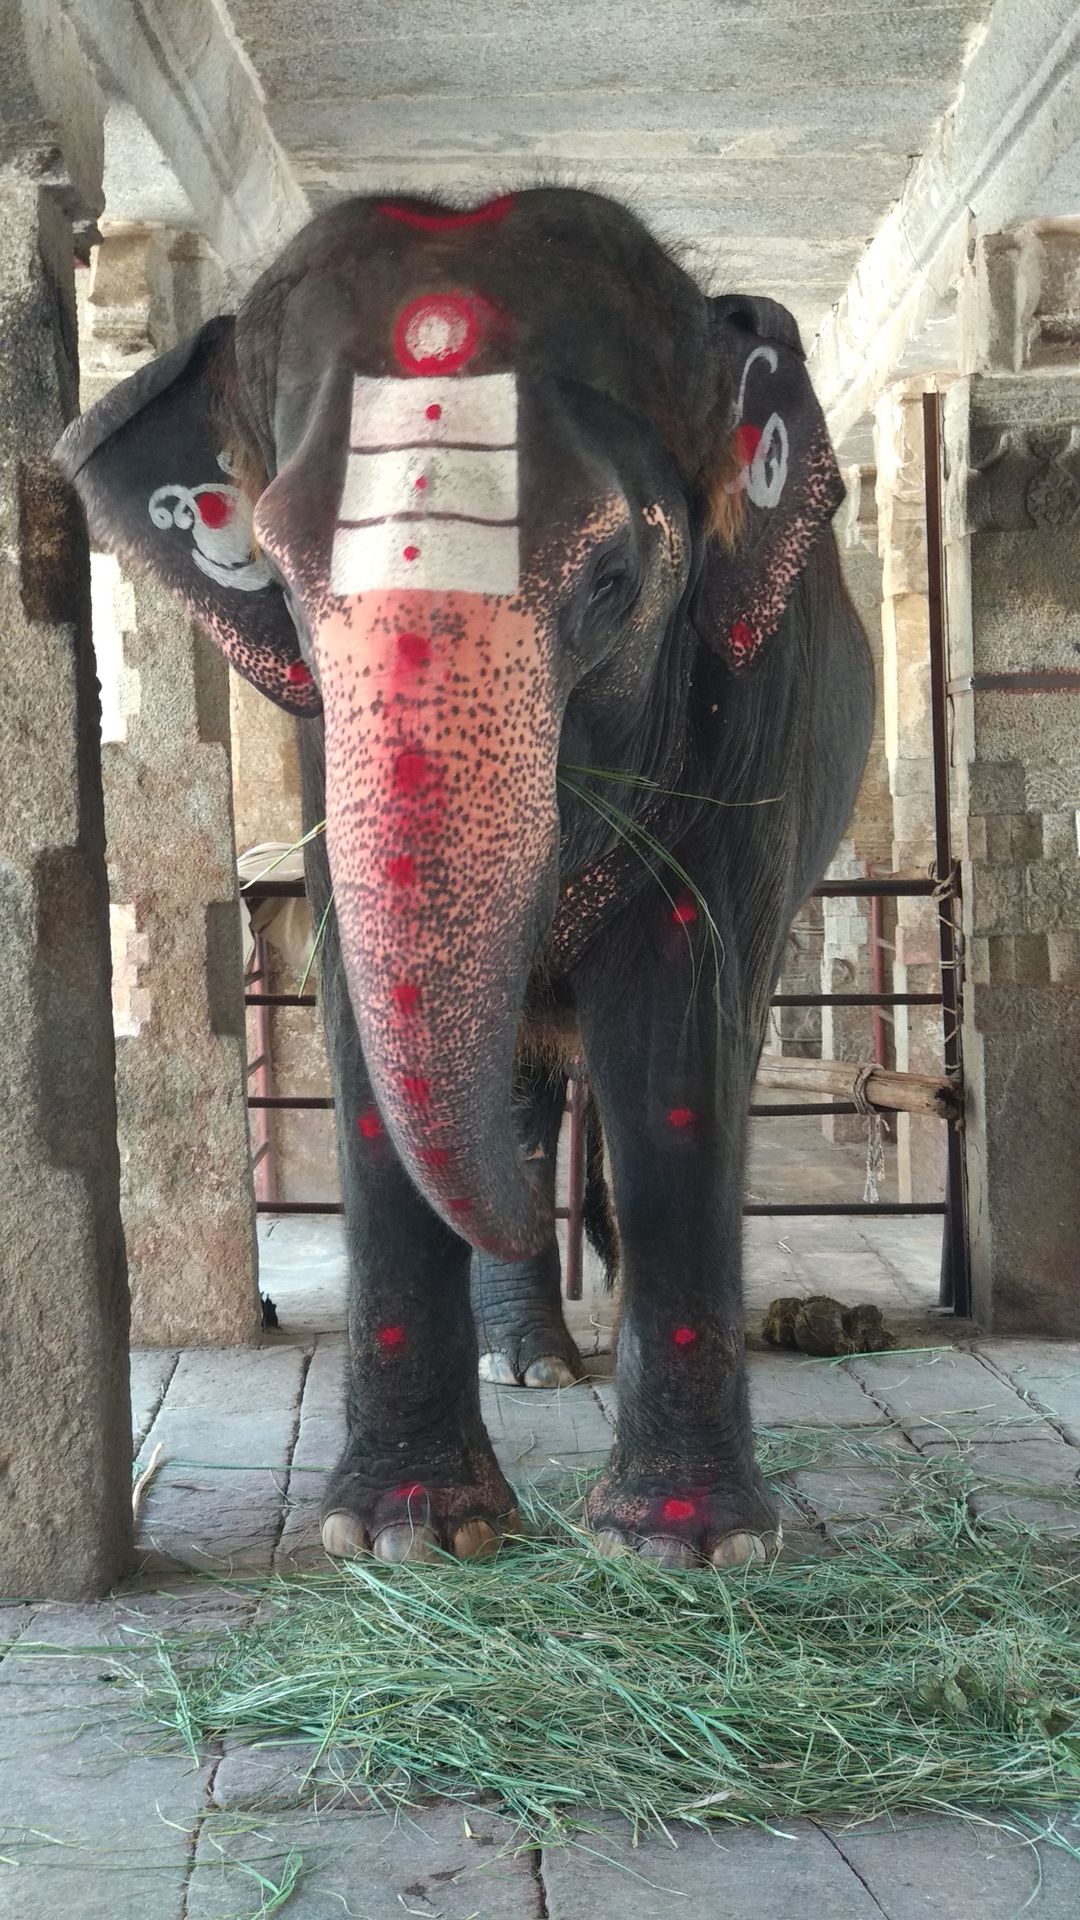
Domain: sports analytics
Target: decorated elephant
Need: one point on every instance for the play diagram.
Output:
(533, 537)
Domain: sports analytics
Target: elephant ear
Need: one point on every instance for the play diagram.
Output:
(788, 477)
(156, 483)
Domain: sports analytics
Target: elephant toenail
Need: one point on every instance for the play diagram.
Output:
(398, 1543)
(609, 1544)
(499, 1369)
(664, 1550)
(549, 1371)
(739, 1550)
(475, 1541)
(343, 1536)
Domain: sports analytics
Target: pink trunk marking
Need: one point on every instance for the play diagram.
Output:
(402, 871)
(405, 996)
(416, 1089)
(297, 674)
(411, 770)
(413, 650)
(434, 1157)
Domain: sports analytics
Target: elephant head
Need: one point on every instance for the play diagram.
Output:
(458, 479)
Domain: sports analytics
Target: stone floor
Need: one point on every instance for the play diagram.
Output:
(95, 1825)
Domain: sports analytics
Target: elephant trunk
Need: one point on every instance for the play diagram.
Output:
(442, 823)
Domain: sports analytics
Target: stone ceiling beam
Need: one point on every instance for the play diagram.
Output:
(182, 70)
(1015, 121)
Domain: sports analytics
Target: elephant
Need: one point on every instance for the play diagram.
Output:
(533, 536)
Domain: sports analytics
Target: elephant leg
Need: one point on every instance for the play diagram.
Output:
(418, 1473)
(517, 1305)
(672, 1070)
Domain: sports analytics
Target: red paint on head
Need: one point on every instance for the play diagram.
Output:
(434, 412)
(420, 482)
(684, 1336)
(416, 1089)
(684, 912)
(413, 649)
(369, 1124)
(405, 996)
(410, 770)
(402, 871)
(742, 637)
(437, 333)
(410, 553)
(213, 508)
(681, 1117)
(678, 1509)
(491, 211)
(746, 443)
(433, 1157)
(391, 1337)
(297, 674)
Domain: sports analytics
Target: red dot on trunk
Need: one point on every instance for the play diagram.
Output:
(416, 1089)
(746, 443)
(459, 1206)
(678, 1509)
(413, 649)
(213, 508)
(401, 871)
(405, 996)
(681, 1117)
(391, 1337)
(297, 674)
(742, 637)
(420, 482)
(684, 912)
(410, 770)
(434, 412)
(433, 1157)
(410, 553)
(684, 1336)
(369, 1124)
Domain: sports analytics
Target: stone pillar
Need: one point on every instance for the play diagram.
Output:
(1013, 517)
(65, 1430)
(187, 1194)
(847, 1032)
(901, 495)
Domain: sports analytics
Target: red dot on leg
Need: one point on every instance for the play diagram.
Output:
(369, 1124)
(678, 1509)
(414, 1491)
(680, 1118)
(391, 1337)
(684, 912)
(684, 1336)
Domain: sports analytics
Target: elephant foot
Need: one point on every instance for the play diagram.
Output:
(523, 1339)
(508, 1367)
(463, 1509)
(679, 1521)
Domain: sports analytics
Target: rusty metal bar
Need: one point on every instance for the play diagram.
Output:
(955, 1274)
(574, 1211)
(252, 1065)
(1049, 680)
(808, 1207)
(856, 1000)
(279, 999)
(890, 886)
(262, 1158)
(877, 976)
(292, 1100)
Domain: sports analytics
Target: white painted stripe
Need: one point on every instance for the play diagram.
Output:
(482, 485)
(479, 410)
(455, 556)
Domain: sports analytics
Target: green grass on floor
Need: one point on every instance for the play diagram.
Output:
(932, 1663)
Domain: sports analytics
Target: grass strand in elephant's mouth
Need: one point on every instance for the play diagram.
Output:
(934, 1664)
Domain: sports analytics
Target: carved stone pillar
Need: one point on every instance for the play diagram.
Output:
(1013, 554)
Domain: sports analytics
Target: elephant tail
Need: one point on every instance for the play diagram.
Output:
(598, 1212)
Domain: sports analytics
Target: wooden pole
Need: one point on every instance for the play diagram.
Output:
(890, 1092)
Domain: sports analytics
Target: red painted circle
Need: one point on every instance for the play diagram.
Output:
(413, 649)
(420, 483)
(743, 639)
(746, 443)
(684, 1336)
(405, 996)
(678, 1509)
(437, 333)
(213, 508)
(684, 912)
(410, 553)
(297, 674)
(390, 1337)
(434, 412)
(680, 1117)
(401, 871)
(410, 770)
(369, 1124)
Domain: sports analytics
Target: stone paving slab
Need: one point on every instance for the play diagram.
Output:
(735, 1872)
(151, 1371)
(282, 1774)
(1039, 1465)
(541, 1436)
(788, 1390)
(439, 1863)
(923, 1868)
(232, 1414)
(1047, 1372)
(853, 1496)
(318, 1445)
(940, 1392)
